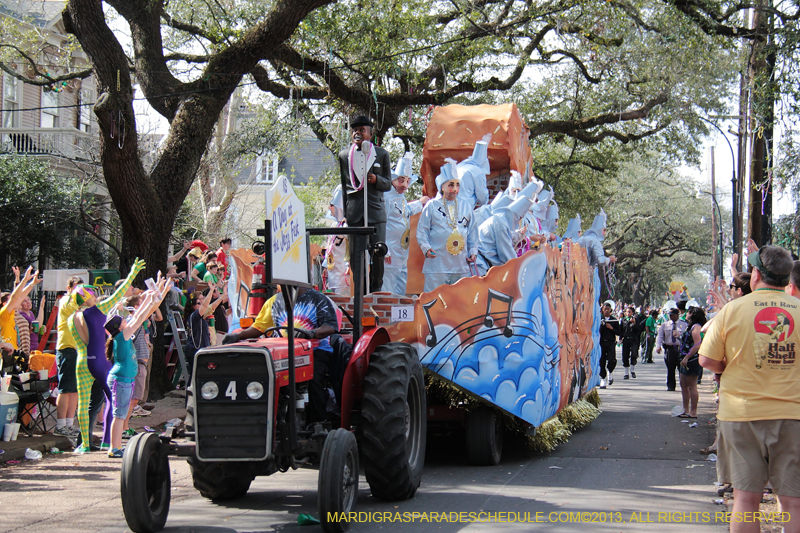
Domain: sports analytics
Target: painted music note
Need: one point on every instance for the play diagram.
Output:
(430, 340)
(488, 320)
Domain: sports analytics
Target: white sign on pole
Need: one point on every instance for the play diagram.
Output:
(287, 215)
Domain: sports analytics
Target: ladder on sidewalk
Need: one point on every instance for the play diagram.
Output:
(175, 352)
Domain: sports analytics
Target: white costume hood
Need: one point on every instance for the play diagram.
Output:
(598, 225)
(404, 168)
(449, 171)
(573, 228)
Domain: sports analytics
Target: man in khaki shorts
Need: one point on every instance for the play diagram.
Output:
(753, 342)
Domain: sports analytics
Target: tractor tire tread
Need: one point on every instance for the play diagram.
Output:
(383, 442)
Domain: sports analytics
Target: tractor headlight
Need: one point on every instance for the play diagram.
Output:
(209, 390)
(255, 390)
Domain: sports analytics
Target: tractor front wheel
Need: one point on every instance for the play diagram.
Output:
(145, 484)
(338, 480)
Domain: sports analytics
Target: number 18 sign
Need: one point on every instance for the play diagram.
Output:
(402, 313)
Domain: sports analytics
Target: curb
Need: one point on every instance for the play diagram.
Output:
(15, 450)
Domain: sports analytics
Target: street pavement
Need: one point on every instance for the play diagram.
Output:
(635, 468)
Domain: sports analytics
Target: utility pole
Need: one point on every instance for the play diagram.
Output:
(761, 73)
(740, 175)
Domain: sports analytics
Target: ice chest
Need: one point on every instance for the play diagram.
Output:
(9, 403)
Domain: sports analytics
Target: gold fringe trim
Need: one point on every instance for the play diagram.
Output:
(593, 397)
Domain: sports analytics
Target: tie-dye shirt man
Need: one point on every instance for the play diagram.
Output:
(311, 311)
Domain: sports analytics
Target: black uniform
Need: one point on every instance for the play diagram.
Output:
(609, 329)
(631, 331)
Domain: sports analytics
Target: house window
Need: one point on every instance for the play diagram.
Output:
(266, 170)
(10, 101)
(49, 109)
(85, 113)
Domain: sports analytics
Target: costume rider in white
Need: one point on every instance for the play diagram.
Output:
(398, 226)
(530, 221)
(473, 171)
(514, 184)
(592, 239)
(496, 235)
(573, 229)
(446, 232)
(551, 222)
(336, 248)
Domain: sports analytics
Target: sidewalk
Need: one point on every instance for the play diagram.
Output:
(637, 458)
(169, 407)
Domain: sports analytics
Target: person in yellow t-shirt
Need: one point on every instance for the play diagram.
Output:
(753, 342)
(66, 348)
(11, 302)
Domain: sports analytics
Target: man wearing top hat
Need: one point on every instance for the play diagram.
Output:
(446, 232)
(398, 226)
(366, 165)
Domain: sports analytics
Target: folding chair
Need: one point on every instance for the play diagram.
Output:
(34, 406)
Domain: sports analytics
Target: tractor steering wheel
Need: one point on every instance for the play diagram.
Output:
(300, 333)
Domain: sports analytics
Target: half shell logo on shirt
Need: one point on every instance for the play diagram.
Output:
(775, 322)
(774, 327)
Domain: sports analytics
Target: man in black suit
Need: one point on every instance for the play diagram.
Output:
(366, 163)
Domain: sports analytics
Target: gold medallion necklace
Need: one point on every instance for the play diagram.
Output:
(455, 242)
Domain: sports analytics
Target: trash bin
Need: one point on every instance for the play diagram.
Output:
(103, 278)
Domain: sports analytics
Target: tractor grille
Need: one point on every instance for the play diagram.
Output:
(232, 426)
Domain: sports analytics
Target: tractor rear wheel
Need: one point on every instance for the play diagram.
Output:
(484, 436)
(394, 423)
(221, 481)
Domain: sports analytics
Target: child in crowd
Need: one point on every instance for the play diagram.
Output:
(121, 378)
(143, 346)
(211, 277)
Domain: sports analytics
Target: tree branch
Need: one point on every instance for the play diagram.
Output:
(48, 79)
(571, 127)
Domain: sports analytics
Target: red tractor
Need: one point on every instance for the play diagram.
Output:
(246, 417)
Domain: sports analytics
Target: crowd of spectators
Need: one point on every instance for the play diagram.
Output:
(194, 288)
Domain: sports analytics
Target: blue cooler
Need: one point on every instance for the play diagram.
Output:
(9, 403)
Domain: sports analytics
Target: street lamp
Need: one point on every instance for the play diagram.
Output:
(735, 186)
(719, 227)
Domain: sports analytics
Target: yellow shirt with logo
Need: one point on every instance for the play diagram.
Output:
(758, 335)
